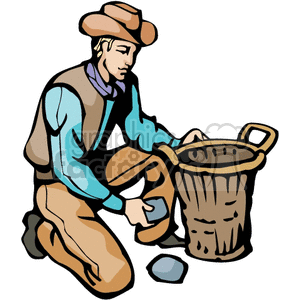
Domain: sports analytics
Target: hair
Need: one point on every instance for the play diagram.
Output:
(97, 44)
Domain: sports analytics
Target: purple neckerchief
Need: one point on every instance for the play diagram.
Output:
(99, 85)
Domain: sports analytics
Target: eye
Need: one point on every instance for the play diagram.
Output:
(122, 51)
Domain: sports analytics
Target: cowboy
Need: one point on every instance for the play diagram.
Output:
(67, 147)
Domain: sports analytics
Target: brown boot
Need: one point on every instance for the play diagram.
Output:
(29, 238)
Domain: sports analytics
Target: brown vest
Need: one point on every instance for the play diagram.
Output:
(37, 150)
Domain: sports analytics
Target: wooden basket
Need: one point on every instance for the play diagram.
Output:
(215, 180)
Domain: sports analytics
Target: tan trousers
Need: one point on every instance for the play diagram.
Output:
(79, 240)
(75, 237)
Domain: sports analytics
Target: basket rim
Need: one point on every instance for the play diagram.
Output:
(235, 168)
(214, 142)
(246, 166)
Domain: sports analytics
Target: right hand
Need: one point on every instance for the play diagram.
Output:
(192, 134)
(135, 213)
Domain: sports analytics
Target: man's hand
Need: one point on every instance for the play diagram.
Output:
(193, 135)
(135, 213)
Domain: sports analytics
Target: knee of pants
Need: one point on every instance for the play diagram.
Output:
(121, 282)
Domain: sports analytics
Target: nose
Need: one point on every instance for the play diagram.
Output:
(129, 60)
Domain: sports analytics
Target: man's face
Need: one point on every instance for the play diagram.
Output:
(120, 58)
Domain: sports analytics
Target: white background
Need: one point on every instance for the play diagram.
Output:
(214, 62)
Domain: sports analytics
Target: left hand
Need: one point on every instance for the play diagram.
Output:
(192, 135)
(134, 211)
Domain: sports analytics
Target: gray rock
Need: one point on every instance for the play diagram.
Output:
(159, 212)
(167, 268)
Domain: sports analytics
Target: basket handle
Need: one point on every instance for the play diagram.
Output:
(269, 140)
(170, 153)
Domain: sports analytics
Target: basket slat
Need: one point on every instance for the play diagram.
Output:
(214, 209)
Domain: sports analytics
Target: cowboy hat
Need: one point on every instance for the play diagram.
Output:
(119, 20)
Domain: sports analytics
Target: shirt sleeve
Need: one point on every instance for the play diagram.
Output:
(64, 117)
(144, 129)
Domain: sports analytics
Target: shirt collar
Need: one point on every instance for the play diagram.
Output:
(104, 89)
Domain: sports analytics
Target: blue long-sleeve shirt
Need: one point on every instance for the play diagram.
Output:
(64, 115)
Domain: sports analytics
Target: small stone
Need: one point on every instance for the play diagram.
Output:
(167, 268)
(159, 211)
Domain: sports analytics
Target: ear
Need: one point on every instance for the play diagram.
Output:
(105, 47)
